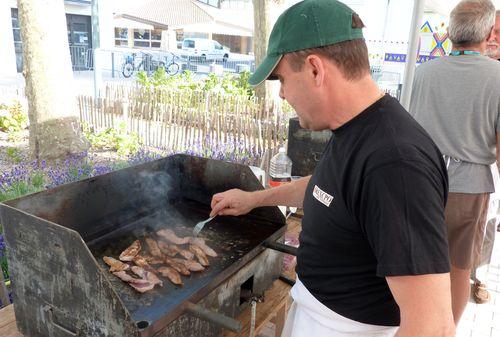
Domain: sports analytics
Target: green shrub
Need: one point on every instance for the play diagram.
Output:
(227, 84)
(14, 155)
(114, 139)
(12, 117)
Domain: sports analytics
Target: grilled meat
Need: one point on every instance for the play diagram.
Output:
(200, 255)
(180, 267)
(173, 250)
(153, 247)
(140, 284)
(186, 254)
(141, 261)
(169, 250)
(201, 243)
(170, 236)
(147, 275)
(153, 259)
(129, 253)
(192, 265)
(171, 274)
(115, 264)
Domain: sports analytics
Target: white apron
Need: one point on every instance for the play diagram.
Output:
(309, 317)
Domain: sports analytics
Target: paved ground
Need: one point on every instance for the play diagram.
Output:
(483, 320)
(84, 83)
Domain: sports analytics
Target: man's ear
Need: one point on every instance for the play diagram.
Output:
(316, 68)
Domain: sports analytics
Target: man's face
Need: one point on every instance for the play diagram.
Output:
(296, 89)
(293, 90)
(493, 47)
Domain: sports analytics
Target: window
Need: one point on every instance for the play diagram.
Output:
(147, 38)
(16, 30)
(188, 44)
(121, 37)
(156, 34)
(80, 34)
(217, 45)
(18, 44)
(141, 34)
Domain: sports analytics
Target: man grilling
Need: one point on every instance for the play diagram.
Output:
(373, 256)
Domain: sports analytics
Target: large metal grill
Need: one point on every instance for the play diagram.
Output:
(57, 239)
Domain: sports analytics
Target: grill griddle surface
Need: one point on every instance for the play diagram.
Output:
(235, 239)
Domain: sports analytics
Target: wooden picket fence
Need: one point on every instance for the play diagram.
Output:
(184, 120)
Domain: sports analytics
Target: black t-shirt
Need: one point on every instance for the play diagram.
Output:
(374, 207)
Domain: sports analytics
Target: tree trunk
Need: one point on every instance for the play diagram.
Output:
(262, 29)
(54, 122)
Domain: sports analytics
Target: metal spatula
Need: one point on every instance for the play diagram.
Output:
(199, 226)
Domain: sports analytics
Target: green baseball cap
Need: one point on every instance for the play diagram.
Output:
(307, 24)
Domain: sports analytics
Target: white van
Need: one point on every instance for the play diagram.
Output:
(204, 49)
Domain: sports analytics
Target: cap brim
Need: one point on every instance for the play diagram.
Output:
(264, 70)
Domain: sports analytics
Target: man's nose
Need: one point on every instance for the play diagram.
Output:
(282, 92)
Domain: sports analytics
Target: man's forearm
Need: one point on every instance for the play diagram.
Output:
(425, 305)
(290, 194)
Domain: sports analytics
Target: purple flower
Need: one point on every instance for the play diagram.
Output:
(2, 246)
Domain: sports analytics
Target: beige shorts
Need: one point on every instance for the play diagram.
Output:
(465, 217)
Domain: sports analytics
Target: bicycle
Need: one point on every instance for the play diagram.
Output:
(131, 65)
(172, 67)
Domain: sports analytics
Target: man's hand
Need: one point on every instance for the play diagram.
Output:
(233, 202)
(237, 202)
(425, 305)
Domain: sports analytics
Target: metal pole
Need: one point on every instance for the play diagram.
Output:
(411, 54)
(95, 47)
(384, 32)
(216, 318)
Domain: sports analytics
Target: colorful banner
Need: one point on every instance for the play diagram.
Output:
(441, 45)
(390, 57)
(426, 28)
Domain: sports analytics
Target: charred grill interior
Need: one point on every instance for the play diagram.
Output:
(232, 238)
(58, 239)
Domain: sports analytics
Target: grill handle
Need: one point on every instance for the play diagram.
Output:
(213, 317)
(49, 311)
(281, 247)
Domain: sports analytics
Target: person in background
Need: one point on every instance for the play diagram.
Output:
(494, 52)
(373, 257)
(483, 257)
(493, 46)
(457, 100)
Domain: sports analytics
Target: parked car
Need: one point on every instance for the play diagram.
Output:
(204, 49)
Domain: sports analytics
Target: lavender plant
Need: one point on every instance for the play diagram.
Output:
(3, 261)
(30, 177)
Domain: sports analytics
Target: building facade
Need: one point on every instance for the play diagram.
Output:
(79, 29)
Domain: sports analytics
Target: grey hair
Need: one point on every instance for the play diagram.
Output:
(471, 22)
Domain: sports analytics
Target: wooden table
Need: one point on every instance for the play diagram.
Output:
(8, 326)
(273, 309)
